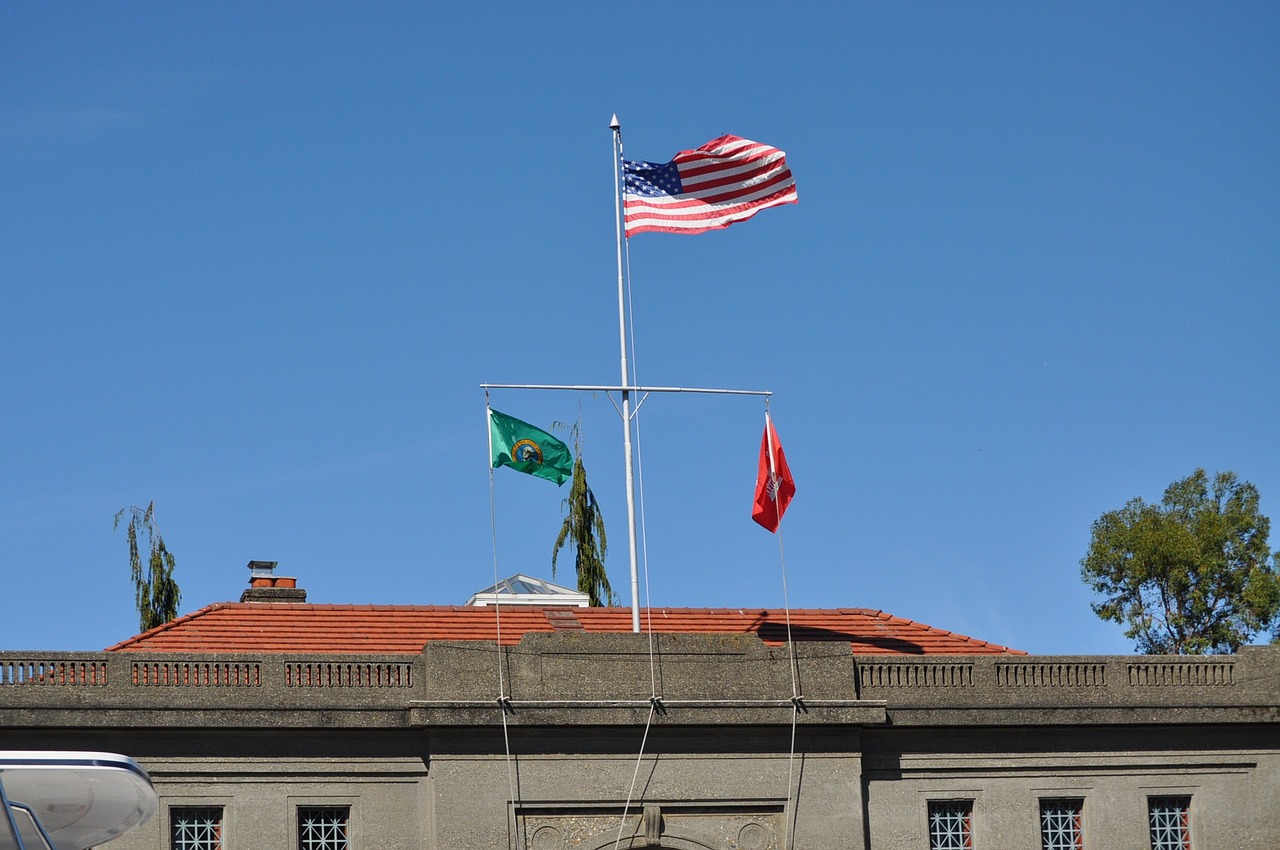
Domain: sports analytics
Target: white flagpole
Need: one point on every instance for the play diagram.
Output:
(768, 439)
(626, 395)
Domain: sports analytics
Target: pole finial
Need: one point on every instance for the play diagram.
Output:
(613, 124)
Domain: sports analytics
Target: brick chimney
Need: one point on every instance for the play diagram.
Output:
(266, 586)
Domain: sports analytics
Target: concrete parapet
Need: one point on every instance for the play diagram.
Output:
(607, 679)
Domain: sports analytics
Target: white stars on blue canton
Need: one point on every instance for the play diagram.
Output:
(651, 179)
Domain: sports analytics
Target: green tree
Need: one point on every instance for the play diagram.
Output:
(1191, 575)
(156, 593)
(583, 532)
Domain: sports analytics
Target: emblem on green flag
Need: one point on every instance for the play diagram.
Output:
(528, 449)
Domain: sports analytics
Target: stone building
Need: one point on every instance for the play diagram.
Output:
(275, 723)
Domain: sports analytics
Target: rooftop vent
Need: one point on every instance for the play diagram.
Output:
(266, 586)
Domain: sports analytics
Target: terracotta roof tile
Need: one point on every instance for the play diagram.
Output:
(388, 629)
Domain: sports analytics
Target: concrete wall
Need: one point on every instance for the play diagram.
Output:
(581, 752)
(388, 798)
(1231, 774)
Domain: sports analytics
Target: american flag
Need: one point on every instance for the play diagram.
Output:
(727, 180)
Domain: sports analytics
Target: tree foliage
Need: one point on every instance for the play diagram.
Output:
(155, 592)
(1191, 575)
(583, 532)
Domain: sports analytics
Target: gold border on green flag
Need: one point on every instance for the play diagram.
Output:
(528, 449)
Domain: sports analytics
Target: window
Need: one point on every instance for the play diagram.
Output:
(1170, 823)
(1062, 824)
(950, 824)
(323, 828)
(195, 829)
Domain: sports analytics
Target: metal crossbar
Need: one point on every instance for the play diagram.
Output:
(1062, 825)
(1170, 823)
(323, 828)
(196, 829)
(950, 825)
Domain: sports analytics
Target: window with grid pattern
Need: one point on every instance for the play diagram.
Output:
(1170, 823)
(323, 828)
(950, 824)
(195, 828)
(1062, 824)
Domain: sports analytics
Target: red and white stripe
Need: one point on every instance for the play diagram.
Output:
(727, 180)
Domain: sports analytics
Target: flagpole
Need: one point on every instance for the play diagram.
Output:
(626, 393)
(768, 433)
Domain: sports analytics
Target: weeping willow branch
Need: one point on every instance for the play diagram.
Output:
(156, 594)
(583, 532)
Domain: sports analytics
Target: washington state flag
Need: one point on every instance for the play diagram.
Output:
(528, 449)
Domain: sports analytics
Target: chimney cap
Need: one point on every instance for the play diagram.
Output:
(266, 586)
(262, 568)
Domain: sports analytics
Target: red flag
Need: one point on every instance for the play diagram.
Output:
(774, 484)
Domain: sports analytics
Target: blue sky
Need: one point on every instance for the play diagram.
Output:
(258, 258)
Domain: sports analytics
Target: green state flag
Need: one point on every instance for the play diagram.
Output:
(527, 449)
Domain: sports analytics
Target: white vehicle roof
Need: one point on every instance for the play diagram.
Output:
(80, 799)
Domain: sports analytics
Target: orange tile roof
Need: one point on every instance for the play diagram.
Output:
(387, 629)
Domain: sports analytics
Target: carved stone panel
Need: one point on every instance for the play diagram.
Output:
(679, 826)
